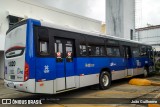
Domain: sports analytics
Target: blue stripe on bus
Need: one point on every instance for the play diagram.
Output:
(30, 47)
(80, 66)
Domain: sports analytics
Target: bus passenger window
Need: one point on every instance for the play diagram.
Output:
(102, 51)
(135, 52)
(150, 52)
(89, 50)
(112, 51)
(99, 51)
(83, 50)
(96, 50)
(143, 51)
(44, 48)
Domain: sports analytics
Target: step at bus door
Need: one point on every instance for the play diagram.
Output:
(64, 50)
(128, 61)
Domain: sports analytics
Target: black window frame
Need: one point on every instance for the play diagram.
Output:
(42, 34)
(112, 42)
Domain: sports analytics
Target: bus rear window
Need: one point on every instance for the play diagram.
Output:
(14, 52)
(15, 42)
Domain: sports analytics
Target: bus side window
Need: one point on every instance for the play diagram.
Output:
(83, 50)
(101, 51)
(43, 42)
(150, 52)
(135, 52)
(89, 50)
(96, 50)
(113, 51)
(44, 45)
(143, 51)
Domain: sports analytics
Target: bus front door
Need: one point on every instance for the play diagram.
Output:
(64, 50)
(128, 61)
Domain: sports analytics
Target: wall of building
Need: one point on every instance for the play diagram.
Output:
(1, 64)
(150, 36)
(114, 16)
(2, 42)
(24, 8)
(128, 18)
(120, 17)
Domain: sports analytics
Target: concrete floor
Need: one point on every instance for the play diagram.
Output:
(119, 89)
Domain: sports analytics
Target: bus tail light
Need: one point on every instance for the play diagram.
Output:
(26, 72)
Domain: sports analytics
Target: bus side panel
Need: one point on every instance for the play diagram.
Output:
(136, 68)
(30, 47)
(140, 64)
(118, 68)
(90, 68)
(84, 70)
(45, 75)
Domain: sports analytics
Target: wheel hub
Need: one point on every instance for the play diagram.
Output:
(105, 80)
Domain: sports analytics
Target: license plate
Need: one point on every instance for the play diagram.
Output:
(10, 84)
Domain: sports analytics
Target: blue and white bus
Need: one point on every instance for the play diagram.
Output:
(45, 58)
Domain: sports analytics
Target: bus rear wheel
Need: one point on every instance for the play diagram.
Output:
(104, 80)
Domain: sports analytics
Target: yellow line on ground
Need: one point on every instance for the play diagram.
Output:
(153, 105)
(121, 92)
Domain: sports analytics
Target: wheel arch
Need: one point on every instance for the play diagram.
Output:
(106, 69)
(146, 66)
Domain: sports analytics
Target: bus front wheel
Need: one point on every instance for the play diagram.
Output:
(104, 80)
(146, 72)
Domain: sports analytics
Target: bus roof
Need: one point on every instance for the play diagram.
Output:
(71, 29)
(97, 34)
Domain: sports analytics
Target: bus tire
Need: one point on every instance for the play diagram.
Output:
(146, 72)
(104, 80)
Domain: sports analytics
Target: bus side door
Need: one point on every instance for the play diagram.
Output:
(128, 60)
(64, 50)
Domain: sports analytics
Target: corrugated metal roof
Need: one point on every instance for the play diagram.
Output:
(148, 28)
